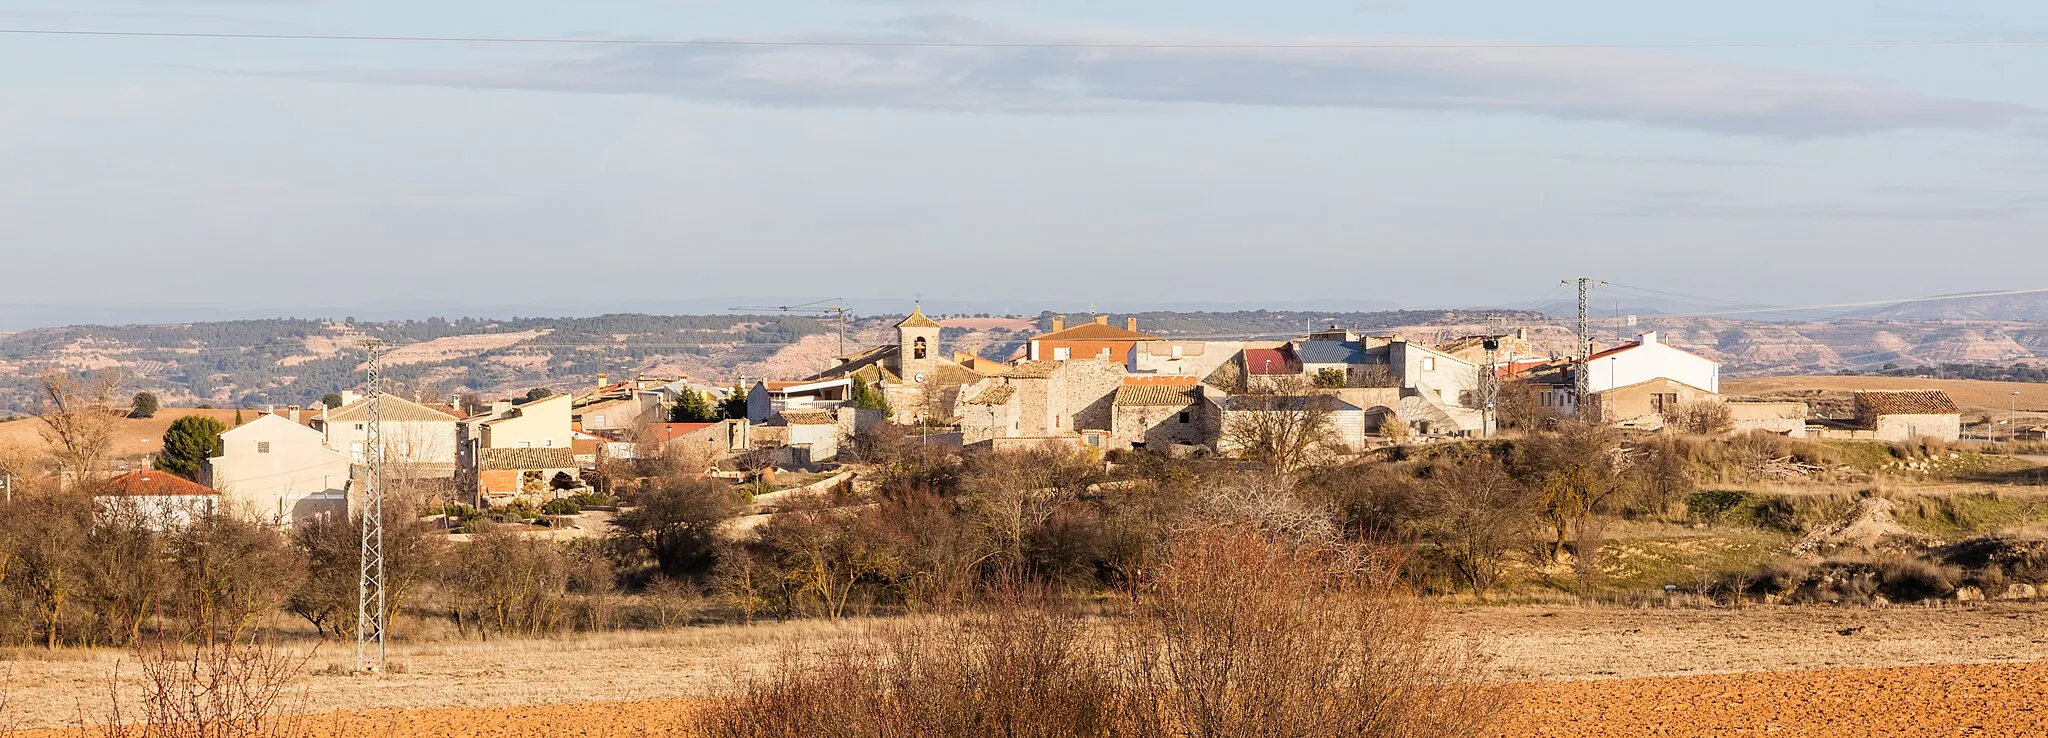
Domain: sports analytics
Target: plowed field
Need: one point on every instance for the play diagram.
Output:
(1983, 701)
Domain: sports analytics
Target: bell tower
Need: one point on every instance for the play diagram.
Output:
(917, 341)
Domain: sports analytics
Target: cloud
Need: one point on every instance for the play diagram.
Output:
(1654, 89)
(1685, 161)
(1981, 208)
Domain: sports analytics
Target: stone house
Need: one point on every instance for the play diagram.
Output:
(1904, 415)
(1645, 404)
(1043, 399)
(516, 450)
(1161, 411)
(277, 472)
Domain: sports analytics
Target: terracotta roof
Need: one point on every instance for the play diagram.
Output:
(917, 320)
(396, 409)
(1906, 402)
(1258, 362)
(809, 417)
(153, 483)
(1156, 395)
(996, 395)
(1097, 332)
(1041, 369)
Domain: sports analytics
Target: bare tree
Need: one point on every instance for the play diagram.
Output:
(1582, 470)
(1473, 514)
(1284, 424)
(79, 418)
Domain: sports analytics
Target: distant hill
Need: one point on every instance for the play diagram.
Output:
(285, 361)
(2032, 308)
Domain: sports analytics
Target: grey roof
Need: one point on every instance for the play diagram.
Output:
(1333, 352)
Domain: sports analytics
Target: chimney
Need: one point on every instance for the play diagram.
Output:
(1131, 324)
(1521, 334)
(269, 408)
(1059, 323)
(1648, 338)
(294, 413)
(603, 378)
(501, 407)
(1102, 320)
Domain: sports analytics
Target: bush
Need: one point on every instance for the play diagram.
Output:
(1700, 417)
(564, 506)
(1709, 506)
(1238, 635)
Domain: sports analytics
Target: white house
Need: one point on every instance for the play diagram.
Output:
(1647, 359)
(416, 436)
(1633, 365)
(278, 472)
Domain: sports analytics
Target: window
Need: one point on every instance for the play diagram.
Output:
(359, 426)
(262, 447)
(1061, 353)
(550, 443)
(526, 444)
(1104, 353)
(1184, 418)
(1177, 351)
(1429, 363)
(918, 348)
(597, 421)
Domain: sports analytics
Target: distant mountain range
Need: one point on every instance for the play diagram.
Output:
(2031, 308)
(283, 361)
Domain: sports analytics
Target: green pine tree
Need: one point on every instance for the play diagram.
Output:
(189, 442)
(867, 398)
(734, 406)
(691, 407)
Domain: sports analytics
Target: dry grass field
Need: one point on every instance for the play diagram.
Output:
(1817, 671)
(1971, 394)
(132, 436)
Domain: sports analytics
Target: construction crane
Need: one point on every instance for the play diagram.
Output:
(814, 308)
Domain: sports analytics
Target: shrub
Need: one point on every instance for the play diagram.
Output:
(1709, 506)
(1700, 417)
(1238, 635)
(564, 506)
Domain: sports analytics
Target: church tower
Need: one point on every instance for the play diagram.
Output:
(917, 341)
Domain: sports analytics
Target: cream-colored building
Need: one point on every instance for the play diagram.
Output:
(516, 450)
(416, 437)
(279, 472)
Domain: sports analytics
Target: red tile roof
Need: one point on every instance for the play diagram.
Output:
(153, 483)
(1097, 332)
(1270, 362)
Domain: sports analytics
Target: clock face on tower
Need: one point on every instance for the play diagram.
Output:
(919, 378)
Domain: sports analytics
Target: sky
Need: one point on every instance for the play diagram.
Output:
(266, 174)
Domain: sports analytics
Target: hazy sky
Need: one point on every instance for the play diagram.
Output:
(268, 173)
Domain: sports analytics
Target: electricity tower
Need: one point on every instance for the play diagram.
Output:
(370, 606)
(1583, 380)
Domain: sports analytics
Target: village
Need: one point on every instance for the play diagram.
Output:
(1095, 385)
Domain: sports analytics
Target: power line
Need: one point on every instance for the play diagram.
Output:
(1386, 46)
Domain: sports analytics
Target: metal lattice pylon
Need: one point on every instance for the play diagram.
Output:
(370, 609)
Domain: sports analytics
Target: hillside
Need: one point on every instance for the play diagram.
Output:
(2029, 307)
